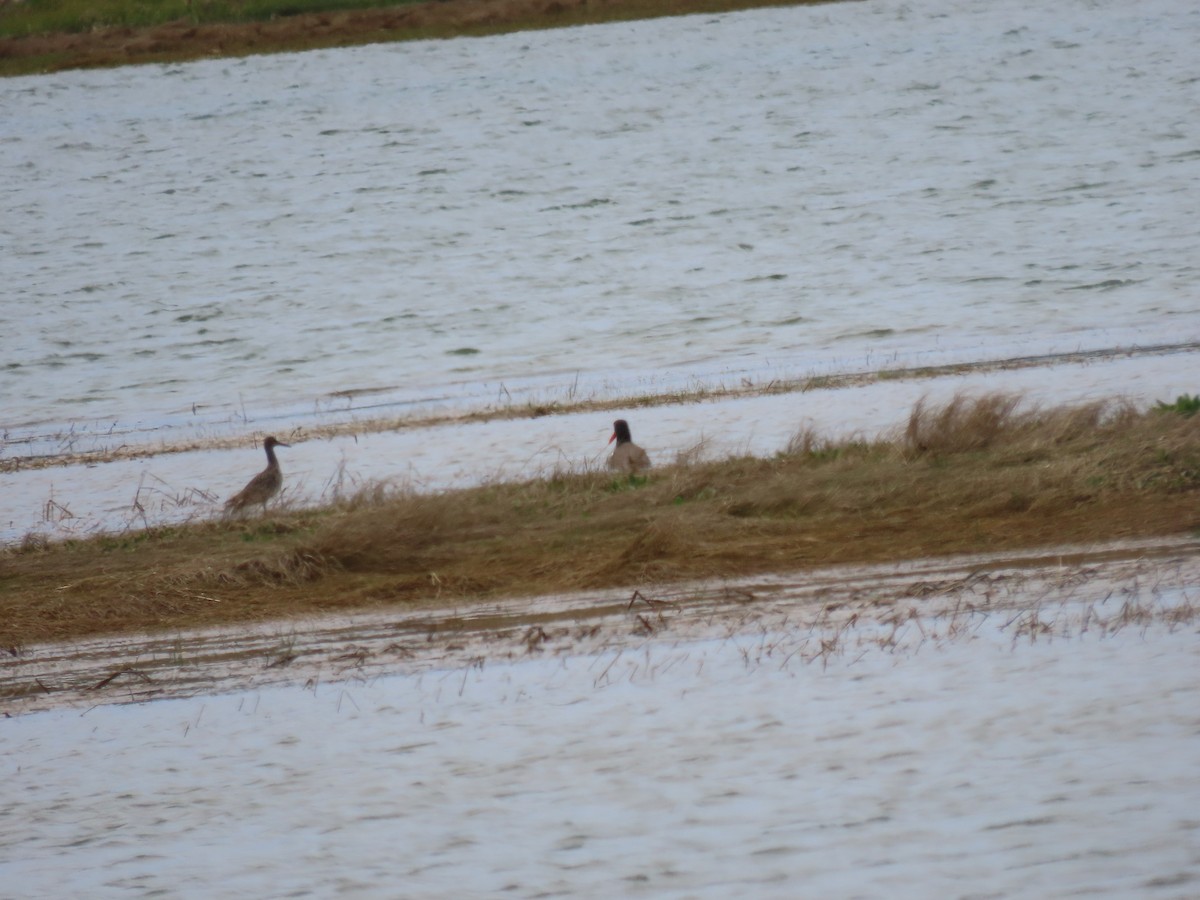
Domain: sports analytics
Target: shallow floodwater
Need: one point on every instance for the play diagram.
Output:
(204, 254)
(955, 728)
(244, 244)
(215, 251)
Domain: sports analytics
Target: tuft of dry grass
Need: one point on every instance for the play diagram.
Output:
(968, 424)
(978, 474)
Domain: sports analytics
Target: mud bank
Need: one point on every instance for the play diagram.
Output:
(837, 612)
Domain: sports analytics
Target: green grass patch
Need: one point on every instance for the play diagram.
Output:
(1184, 405)
(75, 16)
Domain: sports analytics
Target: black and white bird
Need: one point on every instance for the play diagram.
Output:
(626, 456)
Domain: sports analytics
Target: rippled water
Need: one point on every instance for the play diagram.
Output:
(995, 732)
(597, 210)
(232, 245)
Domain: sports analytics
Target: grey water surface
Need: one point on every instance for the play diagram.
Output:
(590, 211)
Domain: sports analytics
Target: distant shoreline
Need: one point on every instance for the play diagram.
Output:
(184, 40)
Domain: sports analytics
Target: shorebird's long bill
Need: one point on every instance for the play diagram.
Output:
(613, 438)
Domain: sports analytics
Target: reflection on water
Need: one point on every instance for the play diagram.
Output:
(593, 210)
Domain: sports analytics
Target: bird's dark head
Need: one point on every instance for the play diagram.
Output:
(272, 442)
(620, 433)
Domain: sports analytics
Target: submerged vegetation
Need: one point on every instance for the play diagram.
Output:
(981, 475)
(52, 35)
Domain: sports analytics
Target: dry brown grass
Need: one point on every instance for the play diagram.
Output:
(976, 475)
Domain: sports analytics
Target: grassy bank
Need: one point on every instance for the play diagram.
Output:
(53, 35)
(984, 475)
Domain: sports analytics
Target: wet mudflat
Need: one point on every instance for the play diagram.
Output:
(966, 726)
(841, 604)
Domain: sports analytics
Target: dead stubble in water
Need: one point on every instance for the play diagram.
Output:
(975, 476)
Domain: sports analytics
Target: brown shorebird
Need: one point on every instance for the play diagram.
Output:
(263, 486)
(626, 456)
